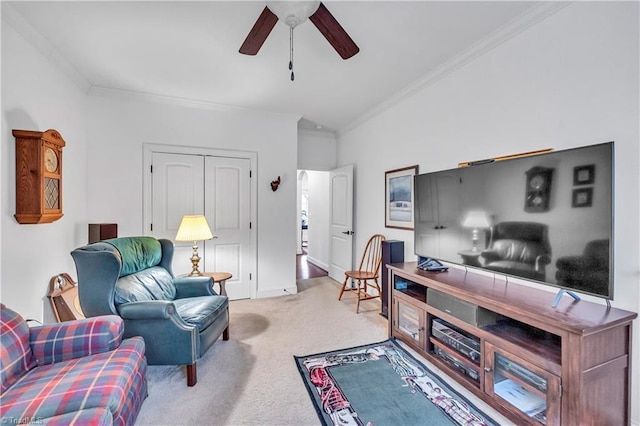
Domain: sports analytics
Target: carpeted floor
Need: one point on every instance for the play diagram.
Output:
(252, 378)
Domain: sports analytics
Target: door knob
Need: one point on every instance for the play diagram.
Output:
(348, 232)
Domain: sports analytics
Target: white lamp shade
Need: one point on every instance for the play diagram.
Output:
(293, 13)
(476, 219)
(194, 228)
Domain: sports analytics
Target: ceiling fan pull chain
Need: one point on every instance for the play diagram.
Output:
(291, 51)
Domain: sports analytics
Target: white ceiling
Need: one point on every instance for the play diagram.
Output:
(189, 50)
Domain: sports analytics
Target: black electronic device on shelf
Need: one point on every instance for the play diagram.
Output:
(432, 265)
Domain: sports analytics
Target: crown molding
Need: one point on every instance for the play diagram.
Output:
(13, 18)
(317, 133)
(530, 17)
(107, 92)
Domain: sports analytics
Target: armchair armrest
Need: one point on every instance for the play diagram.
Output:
(75, 339)
(490, 255)
(570, 263)
(541, 261)
(194, 287)
(156, 309)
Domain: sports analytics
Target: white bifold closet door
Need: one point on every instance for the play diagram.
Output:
(219, 188)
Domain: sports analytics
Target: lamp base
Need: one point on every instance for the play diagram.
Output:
(474, 239)
(195, 260)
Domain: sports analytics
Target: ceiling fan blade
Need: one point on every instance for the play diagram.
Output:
(334, 33)
(259, 33)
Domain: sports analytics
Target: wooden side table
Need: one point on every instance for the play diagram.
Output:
(470, 257)
(220, 278)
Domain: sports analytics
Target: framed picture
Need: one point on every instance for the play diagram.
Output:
(584, 175)
(399, 198)
(582, 197)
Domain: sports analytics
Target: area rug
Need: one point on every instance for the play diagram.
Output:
(382, 384)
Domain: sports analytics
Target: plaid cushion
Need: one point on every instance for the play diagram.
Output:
(102, 380)
(16, 357)
(75, 339)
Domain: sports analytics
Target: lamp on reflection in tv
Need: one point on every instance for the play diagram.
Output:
(476, 219)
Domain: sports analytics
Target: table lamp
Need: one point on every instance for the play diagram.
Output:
(476, 219)
(194, 228)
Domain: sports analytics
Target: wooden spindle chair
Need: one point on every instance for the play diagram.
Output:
(368, 270)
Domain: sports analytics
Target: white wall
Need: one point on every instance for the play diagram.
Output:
(316, 150)
(37, 96)
(102, 179)
(568, 81)
(117, 130)
(318, 249)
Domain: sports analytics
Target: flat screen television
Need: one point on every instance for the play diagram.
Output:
(546, 218)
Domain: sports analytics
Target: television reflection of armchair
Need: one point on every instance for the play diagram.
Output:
(518, 248)
(587, 272)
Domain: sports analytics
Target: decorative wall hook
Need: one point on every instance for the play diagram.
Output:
(275, 184)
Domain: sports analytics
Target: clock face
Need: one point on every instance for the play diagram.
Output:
(537, 182)
(50, 160)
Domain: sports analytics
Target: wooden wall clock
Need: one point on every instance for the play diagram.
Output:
(38, 176)
(538, 189)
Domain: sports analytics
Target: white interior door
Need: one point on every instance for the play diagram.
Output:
(227, 208)
(218, 187)
(340, 222)
(177, 188)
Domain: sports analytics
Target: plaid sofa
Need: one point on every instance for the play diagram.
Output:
(77, 372)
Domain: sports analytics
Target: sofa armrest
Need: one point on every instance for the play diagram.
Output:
(194, 287)
(75, 339)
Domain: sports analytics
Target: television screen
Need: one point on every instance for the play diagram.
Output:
(546, 218)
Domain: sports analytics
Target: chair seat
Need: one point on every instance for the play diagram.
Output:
(201, 311)
(361, 275)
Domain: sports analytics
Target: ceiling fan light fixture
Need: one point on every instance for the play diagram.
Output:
(293, 13)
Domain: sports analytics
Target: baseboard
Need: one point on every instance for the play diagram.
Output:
(318, 263)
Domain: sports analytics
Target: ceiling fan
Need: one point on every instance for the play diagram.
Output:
(293, 13)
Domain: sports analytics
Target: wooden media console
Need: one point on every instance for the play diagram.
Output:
(568, 365)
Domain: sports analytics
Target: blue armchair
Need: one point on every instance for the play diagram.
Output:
(179, 318)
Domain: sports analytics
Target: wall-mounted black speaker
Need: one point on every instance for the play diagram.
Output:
(102, 231)
(392, 252)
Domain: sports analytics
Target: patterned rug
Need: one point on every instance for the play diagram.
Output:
(382, 384)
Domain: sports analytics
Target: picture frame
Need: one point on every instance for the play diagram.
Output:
(399, 198)
(584, 175)
(582, 197)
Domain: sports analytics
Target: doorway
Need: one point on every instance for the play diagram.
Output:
(312, 211)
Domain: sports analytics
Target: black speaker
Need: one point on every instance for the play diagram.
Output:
(392, 252)
(102, 231)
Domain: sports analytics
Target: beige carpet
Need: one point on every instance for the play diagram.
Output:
(252, 379)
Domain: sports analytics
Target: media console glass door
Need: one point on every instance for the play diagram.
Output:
(521, 386)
